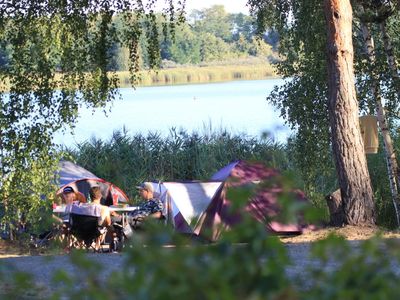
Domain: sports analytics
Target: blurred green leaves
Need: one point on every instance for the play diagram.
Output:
(246, 263)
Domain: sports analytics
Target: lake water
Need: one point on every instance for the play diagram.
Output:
(237, 106)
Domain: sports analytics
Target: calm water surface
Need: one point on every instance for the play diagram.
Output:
(237, 106)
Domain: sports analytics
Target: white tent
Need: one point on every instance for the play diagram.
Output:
(186, 202)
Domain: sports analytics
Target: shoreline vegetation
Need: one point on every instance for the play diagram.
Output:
(199, 74)
(195, 74)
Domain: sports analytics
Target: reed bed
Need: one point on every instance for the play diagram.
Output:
(189, 75)
(128, 160)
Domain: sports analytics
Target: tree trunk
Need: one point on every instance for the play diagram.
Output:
(335, 206)
(348, 148)
(391, 161)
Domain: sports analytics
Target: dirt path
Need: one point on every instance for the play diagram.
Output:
(43, 267)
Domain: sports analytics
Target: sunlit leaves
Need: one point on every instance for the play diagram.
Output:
(58, 55)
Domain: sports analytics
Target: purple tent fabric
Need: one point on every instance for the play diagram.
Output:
(263, 206)
(225, 172)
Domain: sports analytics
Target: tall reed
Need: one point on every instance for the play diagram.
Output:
(190, 75)
(128, 160)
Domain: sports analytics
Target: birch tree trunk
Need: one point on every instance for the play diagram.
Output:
(391, 59)
(348, 148)
(391, 161)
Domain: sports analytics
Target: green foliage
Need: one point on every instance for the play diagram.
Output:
(185, 49)
(58, 56)
(247, 263)
(366, 272)
(126, 160)
(243, 26)
(213, 20)
(27, 193)
(302, 100)
(208, 35)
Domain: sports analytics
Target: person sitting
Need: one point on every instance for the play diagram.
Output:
(68, 197)
(149, 207)
(61, 224)
(95, 195)
(89, 221)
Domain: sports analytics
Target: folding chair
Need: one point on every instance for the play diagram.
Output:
(86, 232)
(44, 239)
(84, 228)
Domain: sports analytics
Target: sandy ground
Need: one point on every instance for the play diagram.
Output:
(351, 233)
(12, 249)
(42, 267)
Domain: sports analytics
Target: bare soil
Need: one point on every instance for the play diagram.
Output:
(43, 266)
(351, 233)
(13, 249)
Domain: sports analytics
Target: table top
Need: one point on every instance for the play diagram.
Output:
(122, 208)
(61, 208)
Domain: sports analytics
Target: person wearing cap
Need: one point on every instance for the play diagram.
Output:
(150, 207)
(69, 196)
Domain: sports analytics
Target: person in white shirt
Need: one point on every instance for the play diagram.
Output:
(95, 195)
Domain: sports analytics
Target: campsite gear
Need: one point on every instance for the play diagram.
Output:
(43, 240)
(203, 209)
(120, 234)
(369, 132)
(116, 244)
(80, 179)
(127, 230)
(84, 221)
(186, 202)
(263, 206)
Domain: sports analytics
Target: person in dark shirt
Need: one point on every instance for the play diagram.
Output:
(149, 207)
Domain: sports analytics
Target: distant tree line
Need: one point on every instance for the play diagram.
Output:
(209, 35)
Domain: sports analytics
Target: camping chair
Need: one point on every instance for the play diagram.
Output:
(44, 239)
(85, 230)
(122, 233)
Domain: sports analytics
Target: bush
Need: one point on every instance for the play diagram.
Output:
(246, 263)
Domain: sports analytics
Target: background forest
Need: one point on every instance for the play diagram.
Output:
(208, 36)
